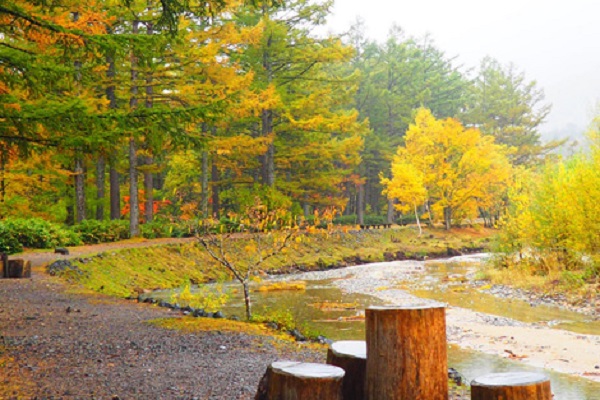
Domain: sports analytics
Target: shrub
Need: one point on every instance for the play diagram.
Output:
(93, 232)
(40, 234)
(9, 244)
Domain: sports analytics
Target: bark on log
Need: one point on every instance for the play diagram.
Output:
(3, 265)
(407, 353)
(18, 269)
(351, 356)
(290, 380)
(511, 385)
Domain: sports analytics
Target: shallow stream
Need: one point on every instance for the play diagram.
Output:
(439, 283)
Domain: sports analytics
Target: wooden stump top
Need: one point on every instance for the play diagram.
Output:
(509, 379)
(350, 348)
(414, 306)
(307, 370)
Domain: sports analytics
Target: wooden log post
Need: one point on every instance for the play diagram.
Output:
(291, 380)
(407, 353)
(3, 265)
(511, 386)
(18, 268)
(351, 356)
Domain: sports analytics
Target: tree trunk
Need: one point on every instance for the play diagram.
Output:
(511, 385)
(148, 175)
(351, 356)
(429, 213)
(360, 204)
(134, 208)
(3, 155)
(149, 192)
(247, 300)
(204, 185)
(390, 211)
(418, 220)
(215, 189)
(291, 380)
(100, 187)
(268, 159)
(406, 347)
(79, 189)
(448, 217)
(115, 191)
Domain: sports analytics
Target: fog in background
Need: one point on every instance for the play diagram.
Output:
(555, 43)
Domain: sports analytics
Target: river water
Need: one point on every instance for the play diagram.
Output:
(343, 321)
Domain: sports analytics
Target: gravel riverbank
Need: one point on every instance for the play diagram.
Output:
(536, 345)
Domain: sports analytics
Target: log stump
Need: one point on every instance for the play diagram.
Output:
(351, 356)
(3, 265)
(407, 353)
(18, 269)
(290, 380)
(511, 386)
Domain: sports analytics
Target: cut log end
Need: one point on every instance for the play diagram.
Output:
(511, 385)
(291, 380)
(307, 370)
(350, 348)
(412, 306)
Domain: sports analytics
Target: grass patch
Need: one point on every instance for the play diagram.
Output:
(282, 286)
(126, 273)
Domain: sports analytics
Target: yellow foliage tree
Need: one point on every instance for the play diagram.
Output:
(460, 170)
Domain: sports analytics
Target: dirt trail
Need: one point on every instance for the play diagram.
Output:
(58, 345)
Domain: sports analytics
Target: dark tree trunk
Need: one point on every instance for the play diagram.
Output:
(268, 159)
(148, 175)
(100, 187)
(79, 189)
(134, 208)
(215, 189)
(149, 192)
(115, 191)
(204, 185)
(247, 300)
(3, 156)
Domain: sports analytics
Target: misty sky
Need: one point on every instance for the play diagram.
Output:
(556, 43)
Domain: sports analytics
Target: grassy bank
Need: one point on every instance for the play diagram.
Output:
(126, 273)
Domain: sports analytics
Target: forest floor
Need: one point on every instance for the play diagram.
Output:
(59, 342)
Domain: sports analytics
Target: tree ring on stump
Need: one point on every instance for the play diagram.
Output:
(509, 379)
(307, 370)
(412, 306)
(350, 348)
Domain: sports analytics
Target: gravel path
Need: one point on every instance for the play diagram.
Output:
(59, 345)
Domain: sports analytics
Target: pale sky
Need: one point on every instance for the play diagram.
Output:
(556, 43)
